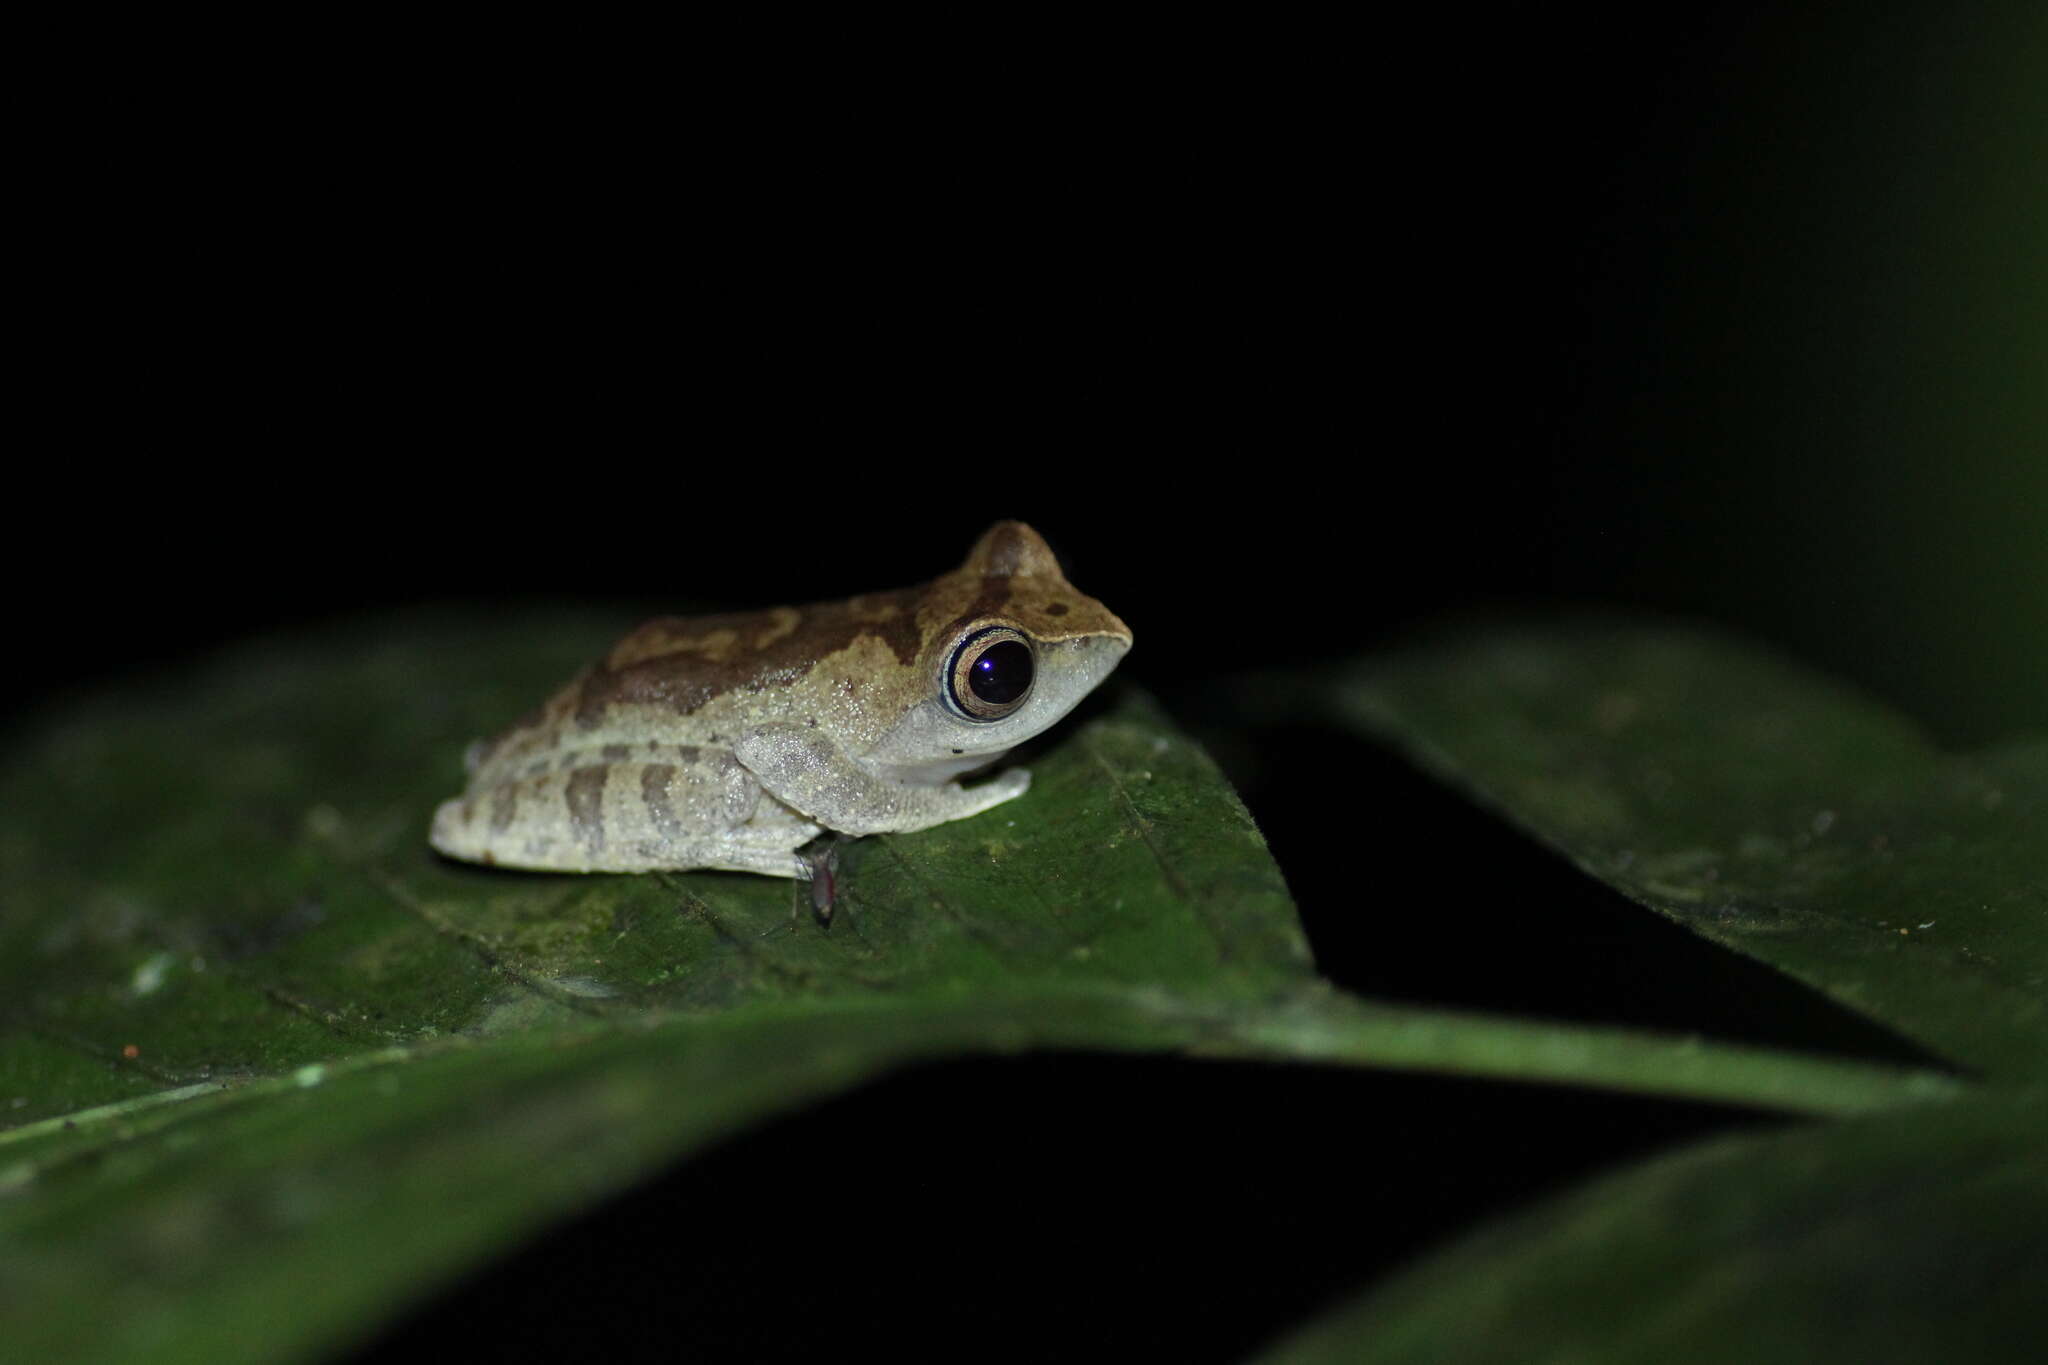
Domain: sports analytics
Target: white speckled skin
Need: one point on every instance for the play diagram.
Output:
(727, 741)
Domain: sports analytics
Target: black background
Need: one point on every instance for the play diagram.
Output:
(1290, 342)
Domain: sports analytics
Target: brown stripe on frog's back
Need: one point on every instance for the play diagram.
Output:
(585, 798)
(504, 805)
(684, 662)
(654, 793)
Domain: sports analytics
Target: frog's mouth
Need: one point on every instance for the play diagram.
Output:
(944, 770)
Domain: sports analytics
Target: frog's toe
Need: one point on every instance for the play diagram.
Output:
(1007, 785)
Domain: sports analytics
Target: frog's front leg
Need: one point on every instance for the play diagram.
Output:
(804, 769)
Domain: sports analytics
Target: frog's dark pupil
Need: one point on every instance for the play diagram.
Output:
(1002, 673)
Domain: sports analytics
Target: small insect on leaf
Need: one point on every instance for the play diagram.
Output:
(819, 863)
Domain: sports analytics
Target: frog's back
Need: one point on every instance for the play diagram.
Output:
(699, 682)
(567, 732)
(629, 764)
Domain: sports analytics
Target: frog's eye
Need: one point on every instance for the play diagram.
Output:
(990, 673)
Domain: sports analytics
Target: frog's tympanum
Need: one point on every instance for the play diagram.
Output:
(727, 741)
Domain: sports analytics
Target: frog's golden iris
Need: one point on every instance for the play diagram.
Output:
(991, 673)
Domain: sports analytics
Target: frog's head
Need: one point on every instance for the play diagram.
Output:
(1009, 647)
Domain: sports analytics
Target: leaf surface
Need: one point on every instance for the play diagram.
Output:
(1909, 1237)
(269, 1068)
(268, 1065)
(1782, 816)
(1761, 807)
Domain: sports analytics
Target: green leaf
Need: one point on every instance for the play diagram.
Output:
(231, 877)
(1906, 1237)
(269, 1068)
(1761, 807)
(1775, 813)
(268, 1064)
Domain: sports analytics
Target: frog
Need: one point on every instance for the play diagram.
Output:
(730, 741)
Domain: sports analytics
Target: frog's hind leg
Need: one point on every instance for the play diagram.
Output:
(626, 817)
(767, 843)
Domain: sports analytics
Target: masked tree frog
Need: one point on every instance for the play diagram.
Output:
(728, 741)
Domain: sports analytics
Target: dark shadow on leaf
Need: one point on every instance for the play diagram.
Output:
(1410, 891)
(1040, 1208)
